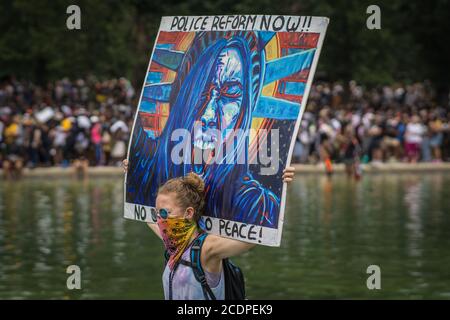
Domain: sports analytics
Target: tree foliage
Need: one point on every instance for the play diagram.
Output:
(117, 37)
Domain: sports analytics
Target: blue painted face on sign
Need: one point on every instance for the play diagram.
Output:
(223, 101)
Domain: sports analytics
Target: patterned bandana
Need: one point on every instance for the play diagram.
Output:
(176, 234)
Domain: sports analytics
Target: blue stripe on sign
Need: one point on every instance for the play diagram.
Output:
(158, 92)
(154, 77)
(273, 108)
(168, 58)
(147, 106)
(164, 45)
(150, 134)
(285, 66)
(297, 88)
(294, 50)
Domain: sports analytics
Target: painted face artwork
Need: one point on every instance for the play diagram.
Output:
(223, 101)
(176, 233)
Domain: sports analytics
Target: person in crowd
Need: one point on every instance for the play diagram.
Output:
(435, 126)
(413, 138)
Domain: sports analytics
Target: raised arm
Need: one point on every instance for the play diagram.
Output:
(218, 248)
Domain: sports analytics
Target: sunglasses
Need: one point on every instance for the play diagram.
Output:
(163, 213)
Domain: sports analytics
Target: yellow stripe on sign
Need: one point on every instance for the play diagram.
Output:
(256, 124)
(273, 51)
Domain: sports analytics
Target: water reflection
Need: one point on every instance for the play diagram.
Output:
(413, 201)
(333, 230)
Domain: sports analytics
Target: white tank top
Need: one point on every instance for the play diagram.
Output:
(186, 287)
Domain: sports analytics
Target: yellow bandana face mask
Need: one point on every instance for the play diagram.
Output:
(176, 233)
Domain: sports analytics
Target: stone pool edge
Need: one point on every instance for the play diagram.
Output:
(300, 168)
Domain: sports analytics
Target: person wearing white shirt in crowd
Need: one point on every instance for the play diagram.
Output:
(414, 133)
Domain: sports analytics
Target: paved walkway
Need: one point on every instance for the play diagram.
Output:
(379, 168)
(300, 168)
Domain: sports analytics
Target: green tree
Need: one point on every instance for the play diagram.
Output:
(117, 37)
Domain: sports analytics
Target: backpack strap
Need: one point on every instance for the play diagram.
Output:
(199, 273)
(183, 262)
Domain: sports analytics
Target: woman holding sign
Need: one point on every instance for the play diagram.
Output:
(180, 203)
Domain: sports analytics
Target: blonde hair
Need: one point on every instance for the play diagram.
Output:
(190, 191)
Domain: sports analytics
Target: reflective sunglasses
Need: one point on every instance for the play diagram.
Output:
(163, 213)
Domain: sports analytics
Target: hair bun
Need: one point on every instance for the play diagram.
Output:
(195, 182)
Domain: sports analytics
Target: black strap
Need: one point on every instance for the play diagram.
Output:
(186, 263)
(171, 275)
(197, 267)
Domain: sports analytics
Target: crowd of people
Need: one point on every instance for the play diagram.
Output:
(350, 124)
(88, 122)
(83, 122)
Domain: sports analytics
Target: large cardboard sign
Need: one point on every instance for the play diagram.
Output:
(223, 97)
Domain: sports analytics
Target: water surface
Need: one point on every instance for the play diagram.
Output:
(334, 229)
